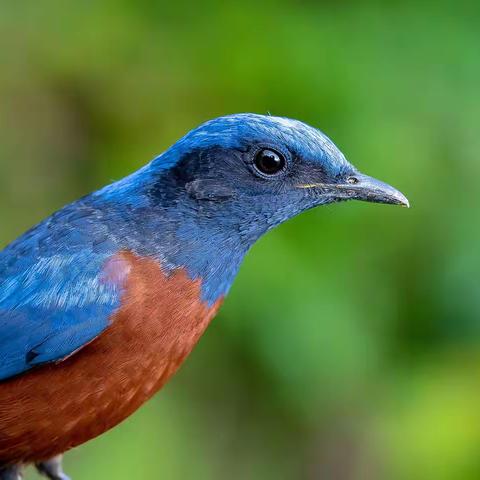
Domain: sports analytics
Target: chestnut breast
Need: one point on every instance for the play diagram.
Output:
(56, 407)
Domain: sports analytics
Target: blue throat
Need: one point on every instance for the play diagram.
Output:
(150, 215)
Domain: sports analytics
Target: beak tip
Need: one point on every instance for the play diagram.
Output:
(403, 201)
(374, 190)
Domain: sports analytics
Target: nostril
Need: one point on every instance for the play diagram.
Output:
(352, 180)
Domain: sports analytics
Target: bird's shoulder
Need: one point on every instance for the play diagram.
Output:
(54, 297)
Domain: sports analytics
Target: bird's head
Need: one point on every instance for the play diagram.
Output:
(263, 170)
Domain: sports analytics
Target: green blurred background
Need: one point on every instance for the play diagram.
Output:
(349, 347)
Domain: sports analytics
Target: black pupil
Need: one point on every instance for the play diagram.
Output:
(269, 162)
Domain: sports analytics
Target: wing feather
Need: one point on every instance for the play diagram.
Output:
(54, 295)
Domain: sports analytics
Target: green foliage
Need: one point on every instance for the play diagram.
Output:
(349, 346)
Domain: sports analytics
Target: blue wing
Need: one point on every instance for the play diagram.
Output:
(53, 299)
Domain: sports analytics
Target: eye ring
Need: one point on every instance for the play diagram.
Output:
(269, 162)
(352, 180)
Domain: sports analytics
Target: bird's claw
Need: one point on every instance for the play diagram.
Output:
(52, 469)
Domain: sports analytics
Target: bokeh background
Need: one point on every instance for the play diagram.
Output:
(349, 347)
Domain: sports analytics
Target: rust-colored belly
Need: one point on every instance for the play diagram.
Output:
(56, 407)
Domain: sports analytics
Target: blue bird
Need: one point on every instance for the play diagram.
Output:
(101, 302)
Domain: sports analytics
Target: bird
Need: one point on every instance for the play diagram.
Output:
(101, 302)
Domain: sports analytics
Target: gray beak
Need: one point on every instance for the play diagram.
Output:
(360, 187)
(370, 189)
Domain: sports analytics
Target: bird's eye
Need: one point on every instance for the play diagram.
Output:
(352, 180)
(269, 162)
